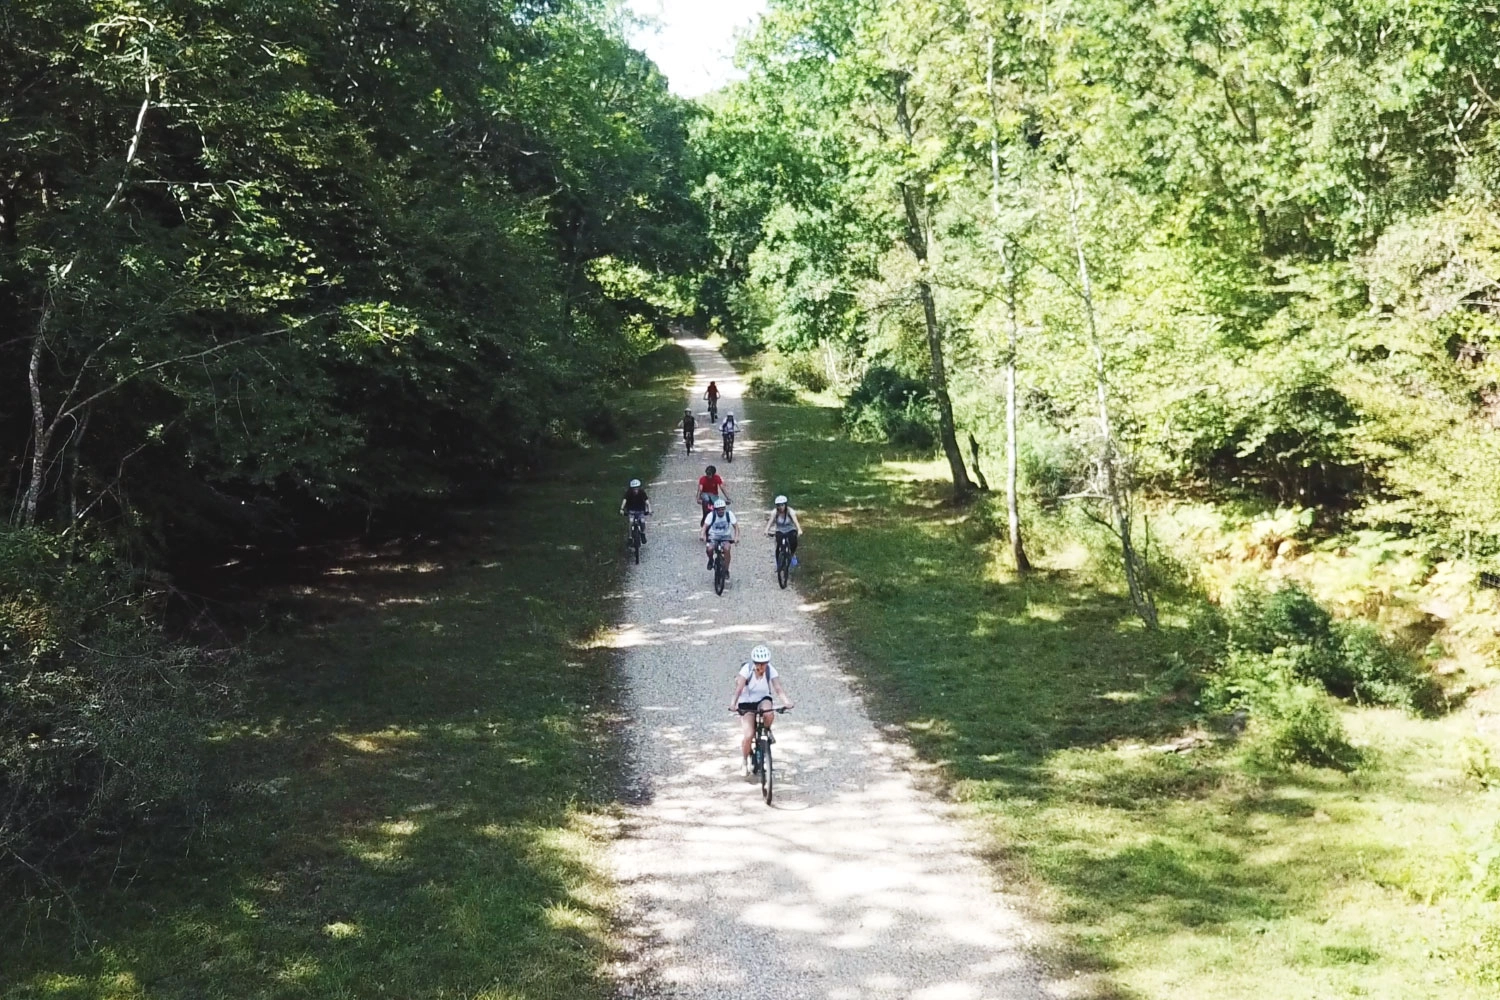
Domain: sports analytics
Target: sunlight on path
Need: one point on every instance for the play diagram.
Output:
(855, 886)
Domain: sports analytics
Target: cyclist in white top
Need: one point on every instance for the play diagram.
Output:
(783, 521)
(720, 527)
(753, 687)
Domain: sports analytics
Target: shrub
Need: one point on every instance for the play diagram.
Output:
(1300, 725)
(1049, 462)
(888, 406)
(101, 716)
(772, 388)
(806, 370)
(1348, 659)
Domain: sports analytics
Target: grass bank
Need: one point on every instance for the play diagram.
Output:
(1164, 874)
(419, 787)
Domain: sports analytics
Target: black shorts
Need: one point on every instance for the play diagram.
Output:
(791, 540)
(750, 707)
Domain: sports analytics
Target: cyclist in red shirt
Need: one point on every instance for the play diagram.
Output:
(710, 488)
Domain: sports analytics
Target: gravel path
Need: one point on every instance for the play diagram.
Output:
(856, 885)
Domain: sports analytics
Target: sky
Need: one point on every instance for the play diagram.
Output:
(694, 43)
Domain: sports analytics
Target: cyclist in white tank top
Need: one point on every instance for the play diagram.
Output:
(754, 685)
(783, 521)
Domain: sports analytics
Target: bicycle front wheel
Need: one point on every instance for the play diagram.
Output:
(720, 574)
(767, 774)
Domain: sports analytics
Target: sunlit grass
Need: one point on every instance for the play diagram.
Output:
(420, 790)
(1164, 875)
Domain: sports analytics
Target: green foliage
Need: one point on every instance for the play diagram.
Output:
(1299, 724)
(770, 387)
(1050, 462)
(888, 406)
(344, 265)
(806, 370)
(1288, 633)
(103, 718)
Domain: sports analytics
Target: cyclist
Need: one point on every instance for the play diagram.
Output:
(753, 686)
(783, 521)
(729, 428)
(710, 488)
(712, 395)
(688, 424)
(720, 528)
(637, 504)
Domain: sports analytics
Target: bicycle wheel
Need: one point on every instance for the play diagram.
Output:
(783, 565)
(729, 449)
(767, 773)
(719, 572)
(635, 541)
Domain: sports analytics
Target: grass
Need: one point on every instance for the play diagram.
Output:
(1162, 875)
(421, 783)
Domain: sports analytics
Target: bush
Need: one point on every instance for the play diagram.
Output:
(101, 716)
(1049, 462)
(771, 387)
(1349, 660)
(888, 406)
(1300, 725)
(806, 370)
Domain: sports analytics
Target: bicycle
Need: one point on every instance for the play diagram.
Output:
(713, 410)
(783, 559)
(721, 572)
(760, 751)
(687, 440)
(729, 447)
(637, 532)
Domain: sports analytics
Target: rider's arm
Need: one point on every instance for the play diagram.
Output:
(776, 685)
(769, 521)
(736, 527)
(795, 522)
(739, 686)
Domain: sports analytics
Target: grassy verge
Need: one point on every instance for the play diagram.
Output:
(421, 784)
(1165, 875)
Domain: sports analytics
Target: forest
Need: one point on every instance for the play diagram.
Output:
(1252, 245)
(270, 269)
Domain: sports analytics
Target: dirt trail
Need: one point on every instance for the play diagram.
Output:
(856, 885)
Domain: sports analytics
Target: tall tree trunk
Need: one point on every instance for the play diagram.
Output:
(41, 431)
(1012, 464)
(918, 236)
(1115, 491)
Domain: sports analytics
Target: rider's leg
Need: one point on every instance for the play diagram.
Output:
(728, 556)
(747, 734)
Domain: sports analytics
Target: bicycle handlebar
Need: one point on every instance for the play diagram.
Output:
(778, 711)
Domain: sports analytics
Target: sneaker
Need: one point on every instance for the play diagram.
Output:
(745, 766)
(710, 562)
(794, 560)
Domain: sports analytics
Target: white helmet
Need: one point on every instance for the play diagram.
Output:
(635, 484)
(781, 499)
(731, 416)
(760, 654)
(719, 504)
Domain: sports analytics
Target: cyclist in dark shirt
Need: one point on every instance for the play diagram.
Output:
(635, 502)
